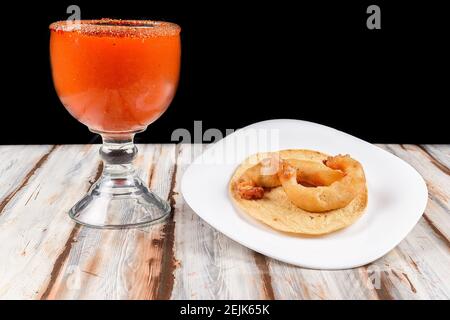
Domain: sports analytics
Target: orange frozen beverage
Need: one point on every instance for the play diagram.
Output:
(115, 75)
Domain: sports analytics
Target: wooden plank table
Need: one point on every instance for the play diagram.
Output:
(44, 255)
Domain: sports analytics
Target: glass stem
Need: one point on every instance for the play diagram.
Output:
(119, 199)
(118, 153)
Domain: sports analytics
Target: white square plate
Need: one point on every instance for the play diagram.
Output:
(397, 196)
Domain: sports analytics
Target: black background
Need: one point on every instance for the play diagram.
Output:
(244, 62)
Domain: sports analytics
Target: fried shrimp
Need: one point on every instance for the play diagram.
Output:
(314, 173)
(324, 198)
(249, 190)
(265, 175)
(262, 175)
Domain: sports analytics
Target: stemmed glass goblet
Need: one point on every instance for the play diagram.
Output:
(116, 77)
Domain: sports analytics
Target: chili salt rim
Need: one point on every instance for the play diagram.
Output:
(117, 28)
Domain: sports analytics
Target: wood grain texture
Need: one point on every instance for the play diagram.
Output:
(437, 179)
(422, 259)
(44, 255)
(123, 264)
(17, 166)
(211, 266)
(34, 226)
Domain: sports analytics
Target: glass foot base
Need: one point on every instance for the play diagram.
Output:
(117, 203)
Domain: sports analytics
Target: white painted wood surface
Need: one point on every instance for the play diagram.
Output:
(44, 255)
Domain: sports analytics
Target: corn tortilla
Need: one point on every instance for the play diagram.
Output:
(278, 212)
